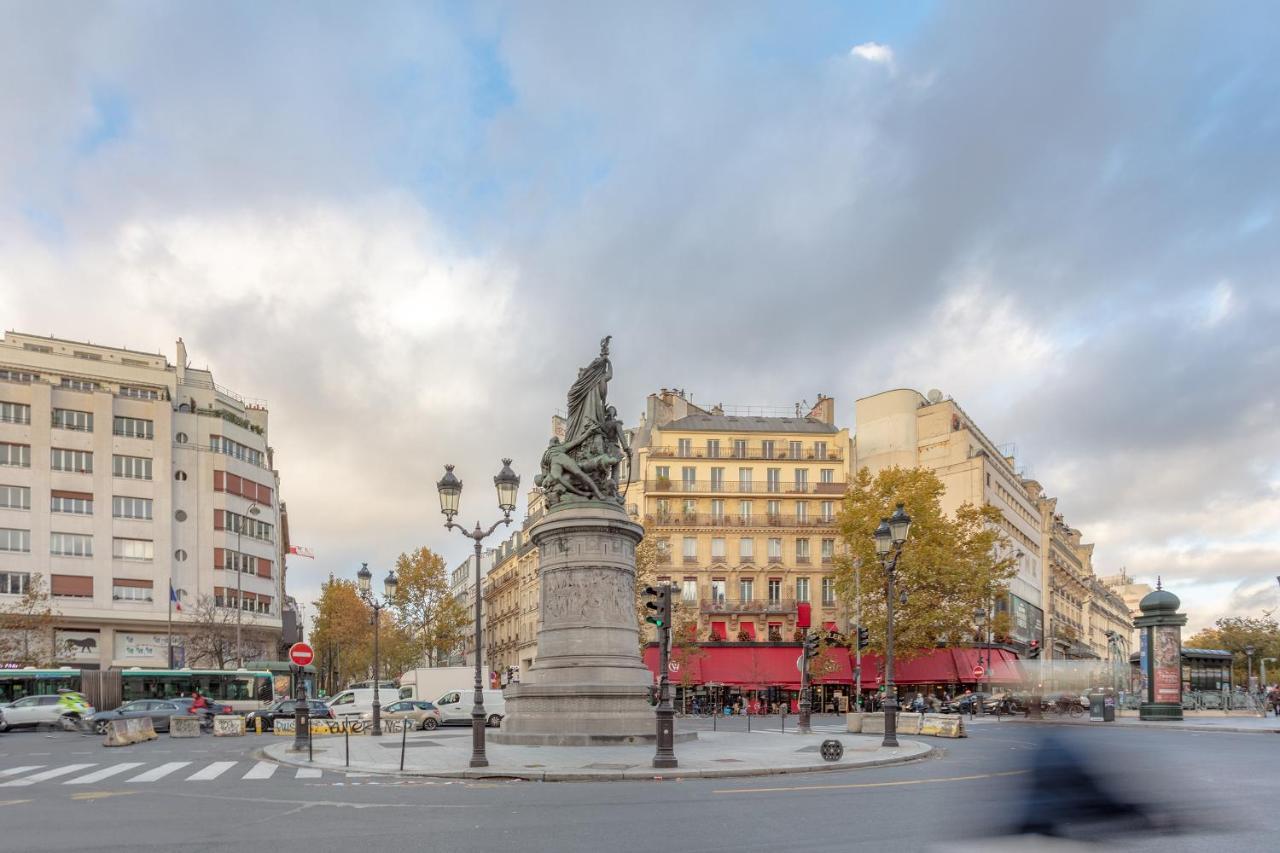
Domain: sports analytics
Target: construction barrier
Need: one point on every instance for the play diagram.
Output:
(184, 726)
(336, 727)
(228, 725)
(933, 725)
(126, 732)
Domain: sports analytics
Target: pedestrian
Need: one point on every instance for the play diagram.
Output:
(198, 701)
(971, 701)
(917, 704)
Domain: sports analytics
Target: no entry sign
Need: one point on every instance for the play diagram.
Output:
(300, 654)
(978, 672)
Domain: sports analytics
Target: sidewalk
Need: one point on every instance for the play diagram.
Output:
(714, 754)
(1208, 723)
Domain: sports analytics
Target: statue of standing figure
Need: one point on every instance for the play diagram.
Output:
(587, 463)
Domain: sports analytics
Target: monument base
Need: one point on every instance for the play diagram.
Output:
(1159, 711)
(578, 715)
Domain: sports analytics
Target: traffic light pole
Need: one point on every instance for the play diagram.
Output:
(666, 713)
(806, 707)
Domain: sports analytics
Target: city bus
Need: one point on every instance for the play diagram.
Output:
(242, 689)
(32, 681)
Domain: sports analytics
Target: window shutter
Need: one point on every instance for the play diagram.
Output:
(219, 481)
(72, 585)
(264, 567)
(133, 582)
(218, 522)
(219, 558)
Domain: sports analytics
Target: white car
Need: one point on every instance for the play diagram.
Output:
(36, 711)
(455, 707)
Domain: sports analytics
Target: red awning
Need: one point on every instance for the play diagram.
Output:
(1000, 665)
(749, 627)
(828, 626)
(753, 666)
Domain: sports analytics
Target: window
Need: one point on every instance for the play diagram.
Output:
(663, 508)
(37, 348)
(713, 448)
(664, 550)
(773, 477)
(828, 550)
(18, 375)
(71, 586)
(717, 510)
(774, 509)
(744, 479)
(802, 550)
(179, 555)
(689, 590)
(717, 548)
(15, 497)
(775, 550)
(746, 549)
(717, 479)
(662, 472)
(78, 384)
(744, 512)
(180, 515)
(14, 583)
(15, 540)
(690, 508)
(775, 590)
(802, 479)
(689, 476)
(75, 503)
(794, 449)
(802, 512)
(61, 459)
(766, 449)
(828, 591)
(828, 509)
(15, 455)
(132, 549)
(72, 419)
(717, 590)
(684, 447)
(222, 444)
(826, 475)
(746, 590)
(15, 413)
(131, 467)
(180, 438)
(87, 356)
(133, 427)
(130, 592)
(689, 549)
(740, 448)
(139, 393)
(802, 589)
(234, 522)
(819, 450)
(70, 545)
(235, 561)
(180, 476)
(125, 507)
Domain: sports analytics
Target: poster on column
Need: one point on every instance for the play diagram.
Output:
(1168, 668)
(1144, 683)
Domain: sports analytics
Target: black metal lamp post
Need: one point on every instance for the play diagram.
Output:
(450, 488)
(890, 536)
(365, 577)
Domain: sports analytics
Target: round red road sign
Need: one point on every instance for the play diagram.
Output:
(978, 672)
(300, 654)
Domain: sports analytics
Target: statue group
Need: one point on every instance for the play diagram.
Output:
(587, 463)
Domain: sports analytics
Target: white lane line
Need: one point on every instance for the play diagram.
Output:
(104, 773)
(213, 771)
(14, 771)
(308, 773)
(160, 772)
(261, 770)
(46, 775)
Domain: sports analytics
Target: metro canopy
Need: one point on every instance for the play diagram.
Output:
(759, 666)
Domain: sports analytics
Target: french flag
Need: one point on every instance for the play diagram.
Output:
(173, 598)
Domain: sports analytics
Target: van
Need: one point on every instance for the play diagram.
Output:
(455, 707)
(359, 701)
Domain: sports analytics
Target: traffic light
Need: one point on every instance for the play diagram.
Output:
(660, 604)
(810, 646)
(864, 637)
(1033, 651)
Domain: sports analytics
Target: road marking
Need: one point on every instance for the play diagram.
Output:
(261, 770)
(160, 772)
(308, 773)
(213, 771)
(870, 784)
(13, 802)
(101, 795)
(104, 773)
(46, 775)
(14, 771)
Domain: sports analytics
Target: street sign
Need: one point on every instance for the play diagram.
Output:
(800, 663)
(300, 654)
(673, 666)
(978, 672)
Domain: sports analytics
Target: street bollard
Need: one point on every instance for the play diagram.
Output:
(714, 718)
(783, 719)
(310, 755)
(346, 736)
(404, 735)
(748, 724)
(257, 725)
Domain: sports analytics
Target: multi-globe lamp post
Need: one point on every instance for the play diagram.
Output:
(890, 536)
(450, 488)
(389, 585)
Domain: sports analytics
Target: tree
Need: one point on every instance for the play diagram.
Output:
(947, 570)
(399, 649)
(26, 626)
(211, 633)
(341, 633)
(425, 607)
(1235, 634)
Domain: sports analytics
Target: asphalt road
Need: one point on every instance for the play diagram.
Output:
(216, 794)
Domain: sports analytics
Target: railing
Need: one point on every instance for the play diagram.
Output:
(751, 453)
(699, 519)
(752, 605)
(738, 487)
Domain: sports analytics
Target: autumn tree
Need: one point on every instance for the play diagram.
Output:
(425, 608)
(1237, 633)
(399, 649)
(948, 568)
(341, 633)
(26, 626)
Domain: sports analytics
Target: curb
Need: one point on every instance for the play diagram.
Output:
(1179, 727)
(633, 774)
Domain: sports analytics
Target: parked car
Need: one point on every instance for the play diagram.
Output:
(455, 707)
(425, 715)
(357, 702)
(960, 704)
(36, 711)
(159, 710)
(286, 709)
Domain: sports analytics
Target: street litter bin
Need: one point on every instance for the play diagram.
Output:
(1109, 709)
(1097, 707)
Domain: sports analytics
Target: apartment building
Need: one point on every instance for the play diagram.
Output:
(511, 598)
(1129, 590)
(908, 429)
(462, 585)
(122, 474)
(743, 507)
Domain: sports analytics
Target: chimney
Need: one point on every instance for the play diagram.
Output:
(824, 410)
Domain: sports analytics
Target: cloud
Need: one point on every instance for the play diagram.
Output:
(871, 51)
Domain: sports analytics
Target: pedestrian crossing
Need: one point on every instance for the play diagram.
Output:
(136, 773)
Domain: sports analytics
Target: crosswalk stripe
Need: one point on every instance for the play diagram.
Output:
(261, 770)
(106, 772)
(14, 771)
(160, 772)
(308, 773)
(213, 771)
(46, 775)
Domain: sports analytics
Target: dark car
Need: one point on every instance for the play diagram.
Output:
(286, 709)
(961, 704)
(159, 710)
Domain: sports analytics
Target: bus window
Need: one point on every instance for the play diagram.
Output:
(266, 690)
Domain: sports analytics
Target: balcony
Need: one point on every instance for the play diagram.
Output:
(738, 487)
(751, 453)
(702, 519)
(752, 605)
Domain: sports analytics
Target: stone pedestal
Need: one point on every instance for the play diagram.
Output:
(588, 685)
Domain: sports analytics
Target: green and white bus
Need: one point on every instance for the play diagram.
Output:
(242, 689)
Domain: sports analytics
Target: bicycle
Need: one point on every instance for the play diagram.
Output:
(1067, 707)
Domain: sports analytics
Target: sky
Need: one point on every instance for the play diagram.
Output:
(406, 225)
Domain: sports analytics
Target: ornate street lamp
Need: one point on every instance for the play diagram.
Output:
(890, 536)
(449, 486)
(365, 579)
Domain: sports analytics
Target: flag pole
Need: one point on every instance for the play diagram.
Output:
(170, 624)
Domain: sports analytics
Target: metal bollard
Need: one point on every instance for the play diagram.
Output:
(310, 755)
(714, 718)
(346, 736)
(257, 725)
(404, 735)
(783, 718)
(748, 724)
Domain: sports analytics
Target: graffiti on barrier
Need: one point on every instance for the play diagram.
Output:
(337, 727)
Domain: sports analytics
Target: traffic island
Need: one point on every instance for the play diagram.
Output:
(712, 755)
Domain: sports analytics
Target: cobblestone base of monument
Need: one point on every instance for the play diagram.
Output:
(578, 715)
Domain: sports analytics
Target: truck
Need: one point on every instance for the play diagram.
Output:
(430, 682)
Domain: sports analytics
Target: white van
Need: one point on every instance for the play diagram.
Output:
(354, 703)
(455, 707)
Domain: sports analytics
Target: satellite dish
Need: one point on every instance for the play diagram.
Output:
(934, 395)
